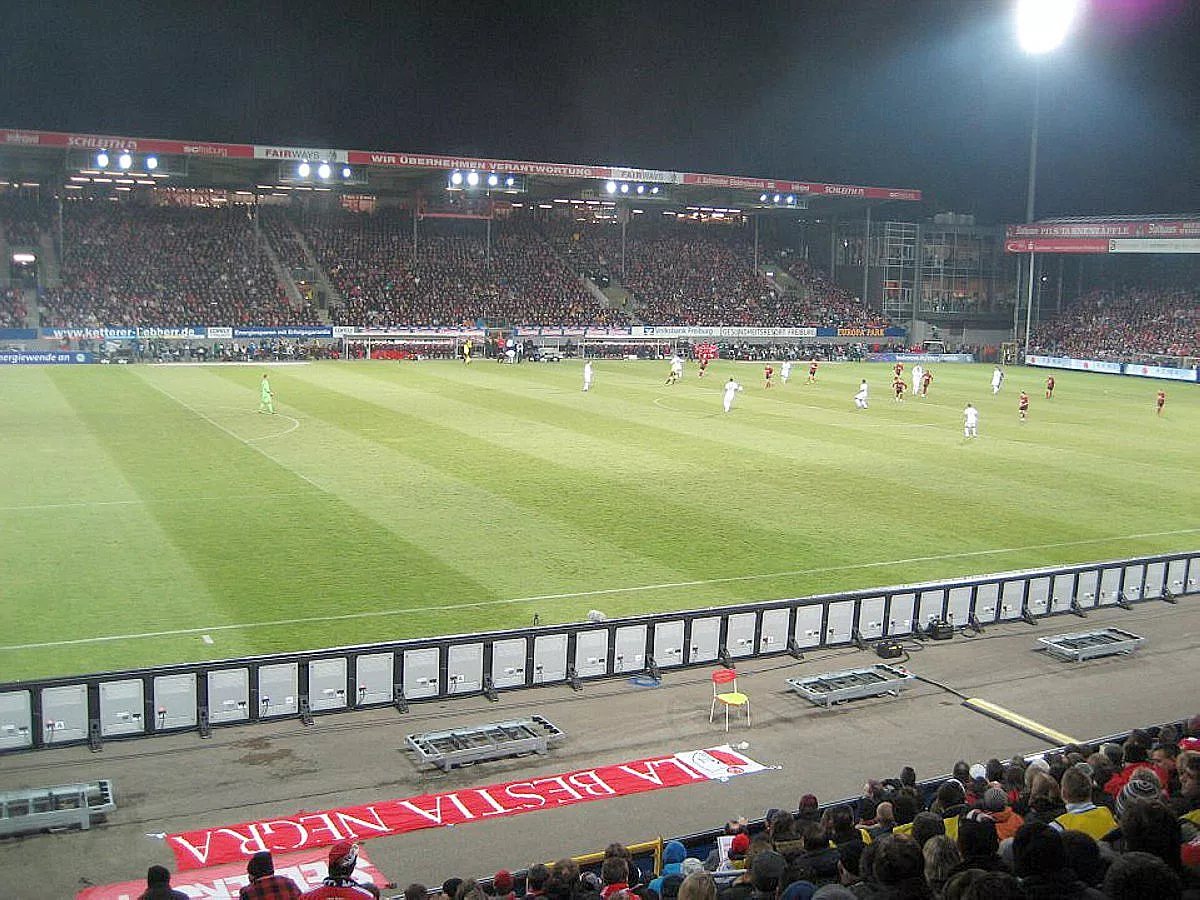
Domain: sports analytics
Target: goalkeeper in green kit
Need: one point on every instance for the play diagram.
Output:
(267, 403)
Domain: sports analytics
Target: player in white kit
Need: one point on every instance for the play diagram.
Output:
(676, 369)
(997, 380)
(587, 375)
(860, 398)
(970, 421)
(786, 372)
(731, 388)
(918, 371)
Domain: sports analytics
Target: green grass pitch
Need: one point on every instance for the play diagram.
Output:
(150, 514)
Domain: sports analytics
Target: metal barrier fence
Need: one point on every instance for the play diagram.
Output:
(198, 696)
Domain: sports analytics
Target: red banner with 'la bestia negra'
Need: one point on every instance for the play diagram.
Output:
(211, 846)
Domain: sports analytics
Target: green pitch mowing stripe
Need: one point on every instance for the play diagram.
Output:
(290, 547)
(399, 500)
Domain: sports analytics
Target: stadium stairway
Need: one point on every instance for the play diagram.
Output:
(333, 295)
(5, 273)
(49, 267)
(281, 273)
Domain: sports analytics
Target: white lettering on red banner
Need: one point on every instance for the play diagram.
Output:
(210, 846)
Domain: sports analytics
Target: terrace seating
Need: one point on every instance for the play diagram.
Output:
(1139, 324)
(127, 265)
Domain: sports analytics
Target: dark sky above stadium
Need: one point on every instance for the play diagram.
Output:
(933, 94)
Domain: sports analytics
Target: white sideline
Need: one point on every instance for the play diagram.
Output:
(383, 613)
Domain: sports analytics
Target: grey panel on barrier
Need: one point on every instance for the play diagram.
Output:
(900, 614)
(174, 701)
(374, 678)
(1156, 576)
(1087, 588)
(327, 684)
(870, 617)
(549, 658)
(774, 635)
(668, 643)
(1062, 592)
(1177, 576)
(16, 720)
(65, 713)
(706, 638)
(987, 602)
(929, 607)
(807, 630)
(1012, 597)
(839, 627)
(464, 668)
(421, 677)
(1132, 587)
(122, 707)
(1038, 599)
(508, 663)
(278, 689)
(1193, 577)
(1110, 586)
(739, 634)
(958, 606)
(630, 649)
(228, 695)
(591, 653)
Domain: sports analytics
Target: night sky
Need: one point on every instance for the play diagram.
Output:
(933, 94)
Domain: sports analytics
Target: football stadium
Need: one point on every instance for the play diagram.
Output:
(356, 501)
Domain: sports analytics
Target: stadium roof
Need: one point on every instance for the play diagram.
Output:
(48, 157)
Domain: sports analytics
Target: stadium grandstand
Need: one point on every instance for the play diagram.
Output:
(1067, 776)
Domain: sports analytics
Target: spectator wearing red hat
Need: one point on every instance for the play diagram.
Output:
(503, 885)
(339, 885)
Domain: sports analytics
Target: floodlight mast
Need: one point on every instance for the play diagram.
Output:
(1042, 26)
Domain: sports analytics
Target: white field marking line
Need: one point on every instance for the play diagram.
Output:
(383, 613)
(85, 504)
(277, 434)
(238, 437)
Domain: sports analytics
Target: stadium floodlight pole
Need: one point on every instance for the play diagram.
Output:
(1042, 26)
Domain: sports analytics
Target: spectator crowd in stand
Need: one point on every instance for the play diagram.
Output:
(12, 309)
(453, 278)
(1127, 325)
(163, 266)
(1113, 822)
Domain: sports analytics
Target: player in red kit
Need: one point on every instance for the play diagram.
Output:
(1049, 387)
(768, 373)
(1160, 401)
(926, 380)
(1023, 406)
(899, 387)
(812, 372)
(899, 369)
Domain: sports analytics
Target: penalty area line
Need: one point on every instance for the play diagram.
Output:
(409, 610)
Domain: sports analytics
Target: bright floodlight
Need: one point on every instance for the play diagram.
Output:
(509, 181)
(346, 172)
(1043, 24)
(654, 190)
(493, 180)
(611, 187)
(323, 170)
(124, 160)
(101, 160)
(762, 198)
(473, 179)
(456, 178)
(624, 189)
(304, 170)
(641, 189)
(791, 198)
(151, 163)
(776, 198)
